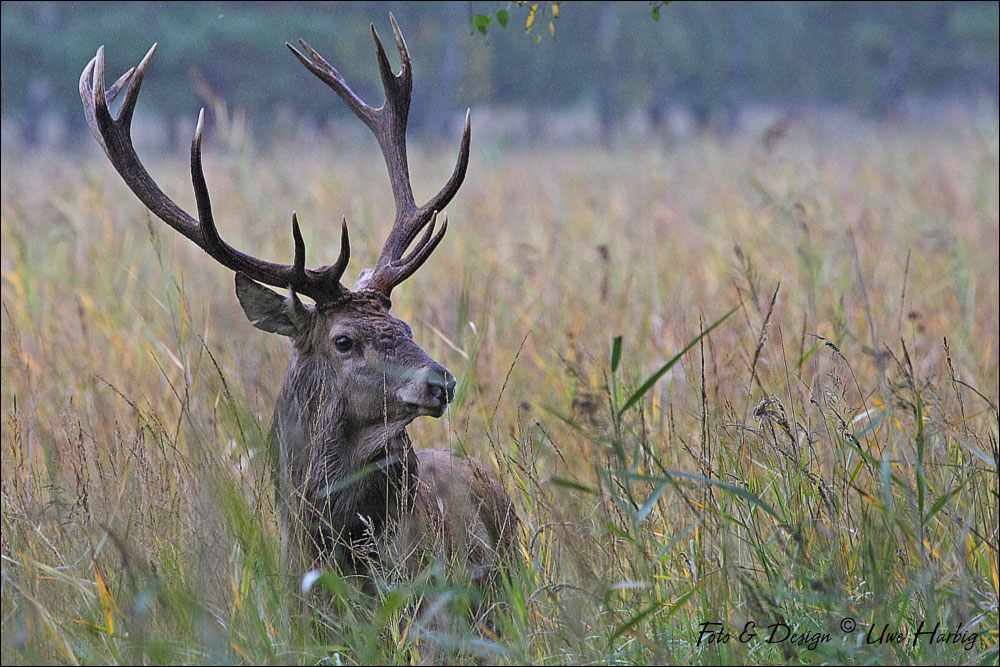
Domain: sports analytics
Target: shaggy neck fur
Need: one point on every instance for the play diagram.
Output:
(342, 483)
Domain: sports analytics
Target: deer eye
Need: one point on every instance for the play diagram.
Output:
(343, 343)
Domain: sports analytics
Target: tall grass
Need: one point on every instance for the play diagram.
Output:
(825, 449)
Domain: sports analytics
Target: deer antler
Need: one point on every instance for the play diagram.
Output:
(114, 136)
(388, 123)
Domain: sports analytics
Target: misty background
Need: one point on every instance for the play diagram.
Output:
(586, 70)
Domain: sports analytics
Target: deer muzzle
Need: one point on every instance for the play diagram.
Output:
(431, 390)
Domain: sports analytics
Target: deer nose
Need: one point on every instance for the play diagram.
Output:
(441, 386)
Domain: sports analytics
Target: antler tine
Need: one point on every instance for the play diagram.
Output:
(336, 271)
(87, 95)
(402, 235)
(324, 275)
(323, 70)
(404, 54)
(397, 87)
(390, 129)
(394, 273)
(299, 261)
(211, 241)
(132, 93)
(114, 136)
(450, 189)
(117, 86)
(388, 123)
(385, 277)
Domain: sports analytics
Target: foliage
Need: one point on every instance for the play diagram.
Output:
(481, 22)
(826, 451)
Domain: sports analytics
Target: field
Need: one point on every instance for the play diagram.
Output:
(821, 459)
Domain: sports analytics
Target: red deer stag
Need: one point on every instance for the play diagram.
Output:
(350, 485)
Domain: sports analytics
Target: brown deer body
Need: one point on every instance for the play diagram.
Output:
(350, 485)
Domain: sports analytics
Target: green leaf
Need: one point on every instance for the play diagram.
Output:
(481, 22)
(756, 184)
(983, 456)
(616, 353)
(874, 462)
(657, 6)
(502, 17)
(647, 385)
(571, 484)
(942, 499)
(637, 619)
(653, 608)
(990, 657)
(650, 502)
(619, 532)
(733, 489)
(805, 357)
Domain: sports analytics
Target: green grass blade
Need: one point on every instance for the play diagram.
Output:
(647, 385)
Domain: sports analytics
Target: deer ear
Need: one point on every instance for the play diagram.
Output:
(269, 311)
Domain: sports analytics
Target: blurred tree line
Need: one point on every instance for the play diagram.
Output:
(709, 58)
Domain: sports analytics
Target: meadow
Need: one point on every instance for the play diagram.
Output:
(726, 380)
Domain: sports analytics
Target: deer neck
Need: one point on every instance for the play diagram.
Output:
(350, 479)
